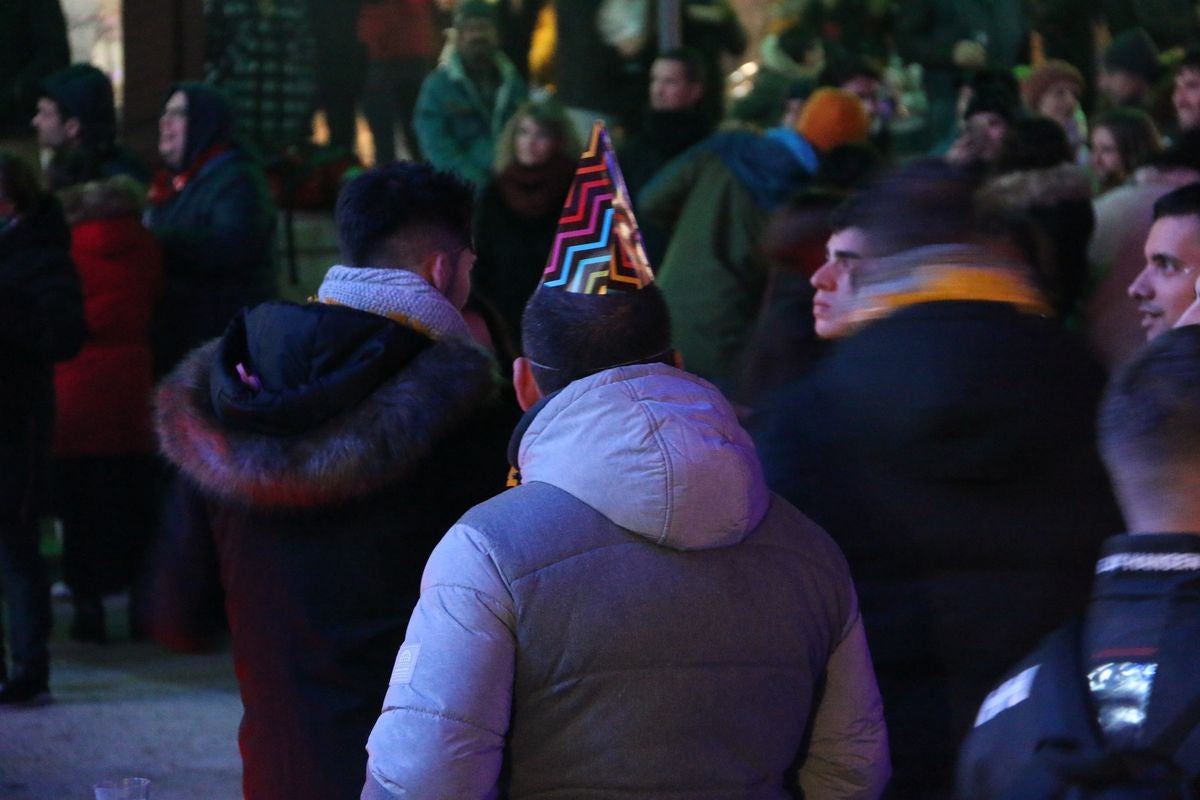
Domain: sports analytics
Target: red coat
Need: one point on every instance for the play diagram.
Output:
(103, 394)
(398, 29)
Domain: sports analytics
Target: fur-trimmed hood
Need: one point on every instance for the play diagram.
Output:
(374, 443)
(118, 196)
(1038, 187)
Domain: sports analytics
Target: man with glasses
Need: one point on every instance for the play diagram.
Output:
(1165, 287)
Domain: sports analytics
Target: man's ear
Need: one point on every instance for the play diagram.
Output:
(528, 392)
(677, 358)
(439, 271)
(73, 129)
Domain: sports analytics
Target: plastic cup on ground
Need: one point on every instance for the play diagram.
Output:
(123, 789)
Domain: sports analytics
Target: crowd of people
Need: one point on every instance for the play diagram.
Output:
(842, 461)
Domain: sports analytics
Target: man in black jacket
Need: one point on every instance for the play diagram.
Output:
(322, 450)
(946, 444)
(1138, 646)
(42, 309)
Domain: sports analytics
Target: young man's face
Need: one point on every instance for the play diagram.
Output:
(1165, 287)
(52, 129)
(986, 131)
(834, 282)
(1186, 98)
(670, 88)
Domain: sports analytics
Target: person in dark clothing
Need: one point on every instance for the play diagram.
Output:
(1036, 179)
(401, 38)
(210, 209)
(671, 123)
(76, 121)
(517, 213)
(946, 445)
(322, 449)
(33, 43)
(952, 38)
(1137, 644)
(43, 322)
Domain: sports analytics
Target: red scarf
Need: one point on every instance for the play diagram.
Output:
(167, 184)
(536, 191)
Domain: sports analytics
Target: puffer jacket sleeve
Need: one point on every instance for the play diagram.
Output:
(446, 712)
(848, 751)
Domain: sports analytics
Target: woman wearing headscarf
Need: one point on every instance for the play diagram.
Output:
(210, 209)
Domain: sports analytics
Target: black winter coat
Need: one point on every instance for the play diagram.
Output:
(316, 501)
(218, 238)
(42, 311)
(949, 450)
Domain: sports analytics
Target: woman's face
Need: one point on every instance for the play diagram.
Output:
(534, 144)
(1059, 102)
(1106, 158)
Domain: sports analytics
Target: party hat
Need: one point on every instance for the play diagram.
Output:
(598, 247)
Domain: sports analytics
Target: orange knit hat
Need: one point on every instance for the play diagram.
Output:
(833, 117)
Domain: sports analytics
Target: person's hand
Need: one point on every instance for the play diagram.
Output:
(969, 54)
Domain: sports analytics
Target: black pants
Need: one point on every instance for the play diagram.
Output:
(106, 504)
(26, 592)
(390, 95)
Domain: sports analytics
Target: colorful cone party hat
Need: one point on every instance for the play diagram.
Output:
(598, 247)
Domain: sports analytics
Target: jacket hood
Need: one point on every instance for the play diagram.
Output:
(1038, 187)
(353, 419)
(656, 450)
(118, 196)
(770, 169)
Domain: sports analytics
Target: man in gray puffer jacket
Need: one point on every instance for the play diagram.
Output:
(640, 617)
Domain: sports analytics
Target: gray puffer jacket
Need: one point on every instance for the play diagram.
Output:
(639, 619)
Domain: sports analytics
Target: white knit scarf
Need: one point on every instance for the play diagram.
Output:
(402, 296)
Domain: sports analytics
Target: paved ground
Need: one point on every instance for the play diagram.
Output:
(125, 709)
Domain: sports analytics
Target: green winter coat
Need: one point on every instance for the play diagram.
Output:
(456, 131)
(715, 199)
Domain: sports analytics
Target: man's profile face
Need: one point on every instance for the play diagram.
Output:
(1165, 287)
(1186, 98)
(50, 125)
(670, 89)
(834, 282)
(172, 130)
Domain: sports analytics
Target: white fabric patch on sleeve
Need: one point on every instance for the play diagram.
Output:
(406, 664)
(1006, 695)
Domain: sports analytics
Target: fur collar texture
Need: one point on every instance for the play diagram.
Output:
(119, 196)
(357, 452)
(1038, 187)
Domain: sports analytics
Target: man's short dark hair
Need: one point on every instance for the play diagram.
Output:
(1182, 202)
(692, 61)
(1150, 415)
(428, 207)
(569, 336)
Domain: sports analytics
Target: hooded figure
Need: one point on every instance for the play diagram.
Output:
(211, 211)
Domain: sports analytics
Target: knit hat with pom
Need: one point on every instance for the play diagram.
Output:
(833, 117)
